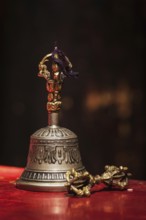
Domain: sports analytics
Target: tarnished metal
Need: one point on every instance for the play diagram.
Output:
(53, 150)
(80, 183)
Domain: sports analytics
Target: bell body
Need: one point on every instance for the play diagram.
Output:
(53, 151)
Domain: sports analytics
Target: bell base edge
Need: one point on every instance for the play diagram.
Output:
(39, 186)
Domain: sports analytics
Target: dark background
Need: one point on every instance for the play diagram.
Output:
(105, 107)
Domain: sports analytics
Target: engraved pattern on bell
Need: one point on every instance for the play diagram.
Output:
(53, 151)
(54, 133)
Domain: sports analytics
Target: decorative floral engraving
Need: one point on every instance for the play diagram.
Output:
(54, 132)
(57, 154)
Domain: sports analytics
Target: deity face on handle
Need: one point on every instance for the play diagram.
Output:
(55, 67)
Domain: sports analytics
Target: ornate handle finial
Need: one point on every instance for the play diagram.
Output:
(61, 67)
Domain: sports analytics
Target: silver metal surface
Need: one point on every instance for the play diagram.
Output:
(53, 118)
(53, 151)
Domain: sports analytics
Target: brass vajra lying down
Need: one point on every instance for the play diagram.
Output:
(80, 184)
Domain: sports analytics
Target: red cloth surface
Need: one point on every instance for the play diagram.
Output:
(102, 205)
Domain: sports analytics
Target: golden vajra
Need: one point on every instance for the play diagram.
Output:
(80, 184)
(61, 67)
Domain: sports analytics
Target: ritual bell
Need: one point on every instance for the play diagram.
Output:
(53, 149)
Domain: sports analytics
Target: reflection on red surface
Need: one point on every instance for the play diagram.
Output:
(21, 204)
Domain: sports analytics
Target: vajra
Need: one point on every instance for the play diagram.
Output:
(61, 67)
(80, 183)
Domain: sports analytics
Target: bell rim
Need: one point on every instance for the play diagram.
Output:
(41, 186)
